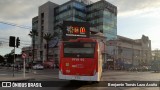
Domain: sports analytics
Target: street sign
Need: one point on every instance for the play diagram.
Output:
(24, 55)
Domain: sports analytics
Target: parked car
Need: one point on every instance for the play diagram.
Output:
(48, 64)
(155, 66)
(133, 68)
(143, 68)
(38, 67)
(8, 65)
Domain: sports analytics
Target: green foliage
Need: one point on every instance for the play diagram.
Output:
(48, 37)
(9, 57)
(1, 59)
(33, 33)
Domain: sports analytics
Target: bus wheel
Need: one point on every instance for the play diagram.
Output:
(95, 82)
(72, 81)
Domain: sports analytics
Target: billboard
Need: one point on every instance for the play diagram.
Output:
(73, 30)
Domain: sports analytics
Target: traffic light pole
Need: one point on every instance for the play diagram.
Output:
(12, 44)
(14, 61)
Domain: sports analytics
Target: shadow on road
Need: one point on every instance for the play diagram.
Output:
(73, 85)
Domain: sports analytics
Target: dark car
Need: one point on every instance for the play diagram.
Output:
(155, 66)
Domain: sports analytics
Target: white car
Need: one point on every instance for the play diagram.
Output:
(38, 66)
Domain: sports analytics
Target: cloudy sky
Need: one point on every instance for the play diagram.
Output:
(135, 18)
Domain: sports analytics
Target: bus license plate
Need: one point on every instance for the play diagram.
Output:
(77, 77)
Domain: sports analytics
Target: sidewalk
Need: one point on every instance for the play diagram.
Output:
(18, 75)
(6, 74)
(16, 79)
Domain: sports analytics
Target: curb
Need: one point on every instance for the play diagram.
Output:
(18, 79)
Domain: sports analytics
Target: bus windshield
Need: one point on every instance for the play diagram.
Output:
(79, 49)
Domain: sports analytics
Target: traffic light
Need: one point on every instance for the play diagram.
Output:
(17, 42)
(12, 41)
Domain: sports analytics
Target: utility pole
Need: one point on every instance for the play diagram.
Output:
(12, 40)
(12, 44)
(132, 55)
(14, 62)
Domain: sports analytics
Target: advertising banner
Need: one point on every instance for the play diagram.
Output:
(74, 30)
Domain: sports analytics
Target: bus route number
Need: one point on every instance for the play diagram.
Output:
(78, 59)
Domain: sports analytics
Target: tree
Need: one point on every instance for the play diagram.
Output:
(9, 57)
(1, 59)
(48, 37)
(33, 34)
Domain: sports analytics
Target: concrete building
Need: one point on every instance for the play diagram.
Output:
(34, 38)
(101, 15)
(126, 51)
(155, 54)
(45, 25)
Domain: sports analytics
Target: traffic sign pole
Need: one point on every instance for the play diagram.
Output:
(24, 70)
(24, 64)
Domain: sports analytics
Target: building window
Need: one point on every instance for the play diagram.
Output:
(42, 15)
(42, 21)
(42, 28)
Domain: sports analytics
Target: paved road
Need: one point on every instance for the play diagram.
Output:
(52, 75)
(129, 76)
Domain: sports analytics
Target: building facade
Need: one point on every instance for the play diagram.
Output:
(101, 15)
(155, 54)
(126, 51)
(45, 25)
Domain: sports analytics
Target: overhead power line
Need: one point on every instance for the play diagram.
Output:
(16, 25)
(20, 43)
(4, 39)
(8, 39)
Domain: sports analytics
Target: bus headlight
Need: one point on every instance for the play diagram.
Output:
(60, 70)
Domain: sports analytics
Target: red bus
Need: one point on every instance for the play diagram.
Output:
(80, 59)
